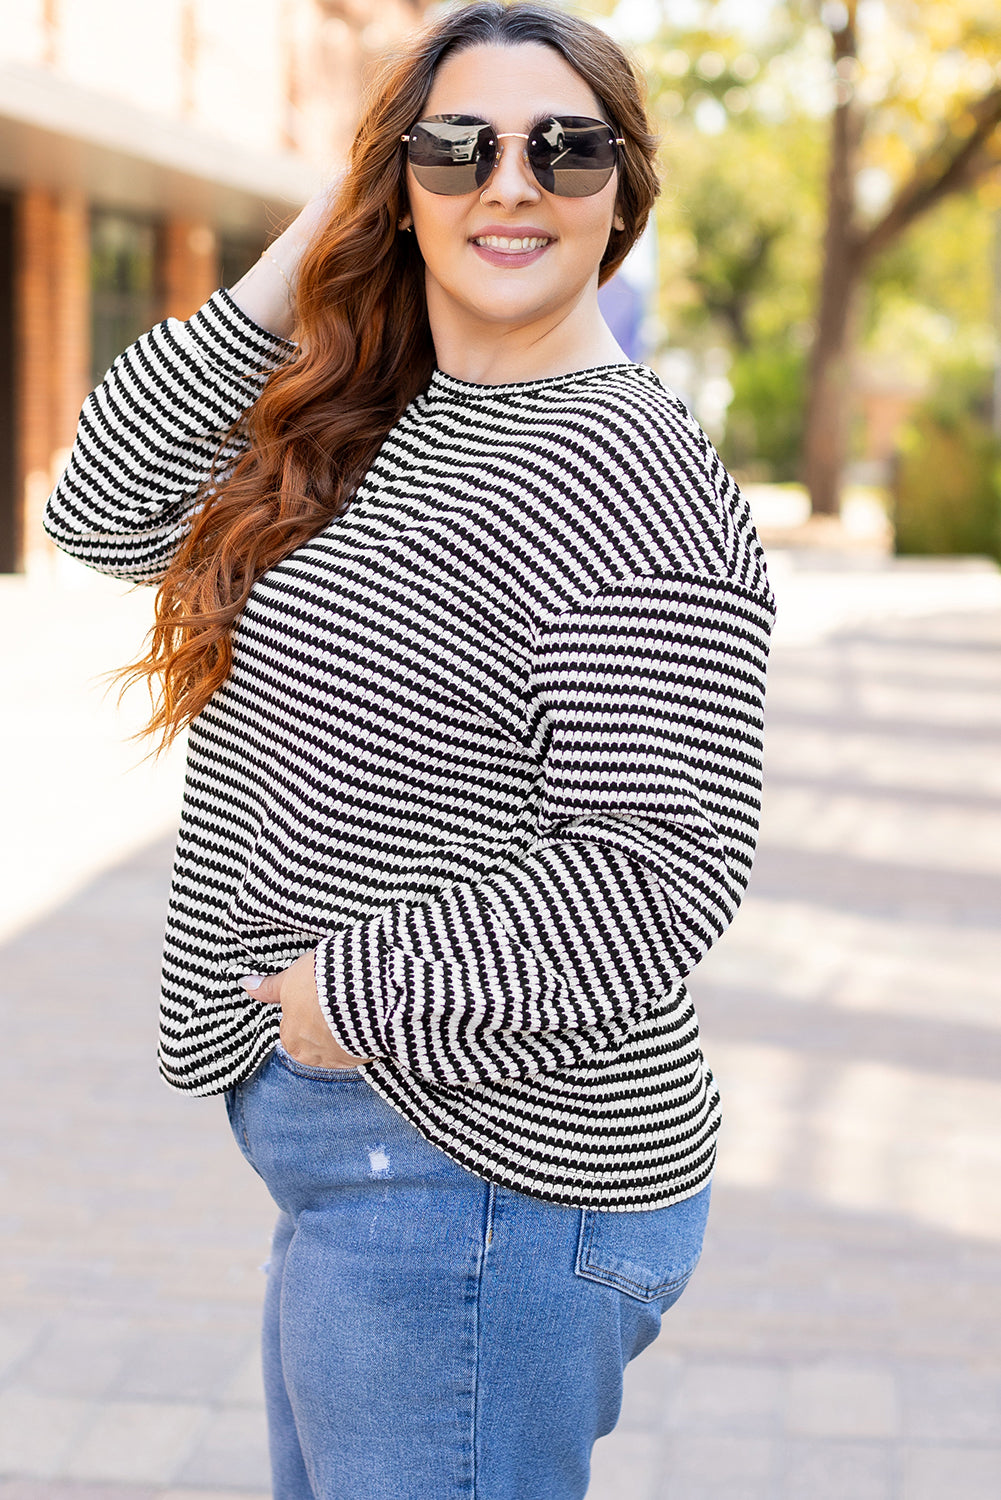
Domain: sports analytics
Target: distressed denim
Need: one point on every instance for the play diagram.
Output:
(429, 1335)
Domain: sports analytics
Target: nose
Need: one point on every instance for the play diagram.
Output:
(512, 181)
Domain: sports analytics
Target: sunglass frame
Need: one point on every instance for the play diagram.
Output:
(483, 166)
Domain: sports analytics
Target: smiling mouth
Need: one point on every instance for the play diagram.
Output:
(511, 246)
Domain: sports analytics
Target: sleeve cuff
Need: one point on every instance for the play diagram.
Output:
(222, 333)
(351, 981)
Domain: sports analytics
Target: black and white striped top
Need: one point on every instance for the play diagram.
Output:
(491, 743)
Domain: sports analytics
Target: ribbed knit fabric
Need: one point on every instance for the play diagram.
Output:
(491, 743)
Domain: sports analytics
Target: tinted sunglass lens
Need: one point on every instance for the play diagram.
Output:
(451, 154)
(573, 156)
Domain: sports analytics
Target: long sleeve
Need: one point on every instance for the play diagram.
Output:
(149, 434)
(646, 714)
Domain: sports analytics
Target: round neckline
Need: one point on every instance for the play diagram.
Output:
(454, 385)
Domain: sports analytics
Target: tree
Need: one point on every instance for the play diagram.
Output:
(739, 223)
(906, 92)
(963, 150)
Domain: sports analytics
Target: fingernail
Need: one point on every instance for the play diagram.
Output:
(252, 981)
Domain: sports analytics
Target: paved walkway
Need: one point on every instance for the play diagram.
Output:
(842, 1338)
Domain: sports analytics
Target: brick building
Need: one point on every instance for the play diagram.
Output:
(147, 152)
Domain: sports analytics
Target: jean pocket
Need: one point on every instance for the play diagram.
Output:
(303, 1070)
(649, 1255)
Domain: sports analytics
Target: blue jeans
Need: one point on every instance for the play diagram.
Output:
(429, 1335)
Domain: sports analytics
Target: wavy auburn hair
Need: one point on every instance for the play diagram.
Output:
(363, 350)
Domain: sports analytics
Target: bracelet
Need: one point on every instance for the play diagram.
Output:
(266, 255)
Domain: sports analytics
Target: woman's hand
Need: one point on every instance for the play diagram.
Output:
(267, 292)
(304, 1033)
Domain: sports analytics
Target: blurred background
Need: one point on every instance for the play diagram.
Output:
(823, 287)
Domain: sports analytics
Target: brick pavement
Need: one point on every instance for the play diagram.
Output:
(842, 1337)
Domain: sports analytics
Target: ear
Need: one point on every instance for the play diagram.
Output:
(619, 223)
(406, 222)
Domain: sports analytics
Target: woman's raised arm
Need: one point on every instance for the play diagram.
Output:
(163, 416)
(265, 293)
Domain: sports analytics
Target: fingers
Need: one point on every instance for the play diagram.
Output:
(263, 987)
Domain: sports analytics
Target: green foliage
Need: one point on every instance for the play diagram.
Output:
(744, 99)
(765, 419)
(741, 218)
(741, 230)
(947, 488)
(943, 268)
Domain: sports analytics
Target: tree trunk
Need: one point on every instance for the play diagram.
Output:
(825, 442)
(828, 409)
(951, 165)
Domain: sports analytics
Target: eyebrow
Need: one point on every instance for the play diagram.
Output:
(542, 115)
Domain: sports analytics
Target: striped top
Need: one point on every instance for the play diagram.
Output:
(491, 743)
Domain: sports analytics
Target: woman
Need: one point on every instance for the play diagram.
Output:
(470, 628)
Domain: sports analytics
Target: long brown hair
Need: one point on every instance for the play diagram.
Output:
(363, 350)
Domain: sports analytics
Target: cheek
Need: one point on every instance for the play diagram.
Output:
(587, 238)
(591, 219)
(439, 232)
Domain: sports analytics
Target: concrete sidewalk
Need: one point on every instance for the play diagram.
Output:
(842, 1337)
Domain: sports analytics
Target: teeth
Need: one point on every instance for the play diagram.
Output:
(501, 242)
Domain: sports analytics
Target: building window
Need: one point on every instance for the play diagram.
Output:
(123, 289)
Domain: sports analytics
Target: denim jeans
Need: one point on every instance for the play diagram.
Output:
(429, 1335)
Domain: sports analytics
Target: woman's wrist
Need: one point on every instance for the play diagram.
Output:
(266, 293)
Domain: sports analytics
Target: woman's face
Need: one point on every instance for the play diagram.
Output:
(511, 88)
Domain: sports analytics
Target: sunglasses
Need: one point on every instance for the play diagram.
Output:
(570, 155)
